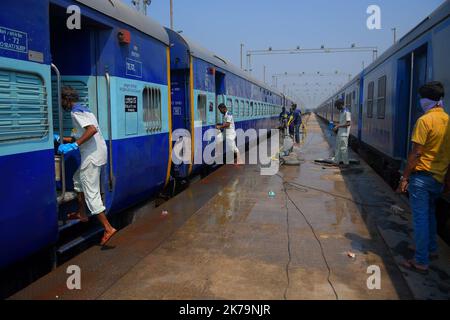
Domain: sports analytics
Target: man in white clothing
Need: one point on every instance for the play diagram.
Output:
(342, 132)
(88, 138)
(230, 132)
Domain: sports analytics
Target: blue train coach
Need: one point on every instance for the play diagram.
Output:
(120, 64)
(201, 80)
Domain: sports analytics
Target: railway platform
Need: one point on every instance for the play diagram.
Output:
(309, 232)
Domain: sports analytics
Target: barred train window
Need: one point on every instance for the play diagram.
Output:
(349, 102)
(381, 101)
(252, 110)
(230, 105)
(23, 107)
(235, 112)
(201, 107)
(370, 92)
(247, 109)
(241, 109)
(152, 109)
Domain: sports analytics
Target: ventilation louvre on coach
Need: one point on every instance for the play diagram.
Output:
(23, 107)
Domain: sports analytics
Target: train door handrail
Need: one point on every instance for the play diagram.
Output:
(61, 129)
(110, 151)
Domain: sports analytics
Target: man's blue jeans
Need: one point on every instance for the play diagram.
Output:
(424, 191)
(297, 132)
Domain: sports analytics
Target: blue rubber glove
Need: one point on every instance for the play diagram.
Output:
(66, 148)
(56, 138)
(331, 125)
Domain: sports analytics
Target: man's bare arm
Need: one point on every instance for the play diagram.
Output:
(413, 158)
(224, 126)
(89, 132)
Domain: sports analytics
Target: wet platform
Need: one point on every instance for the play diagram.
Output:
(309, 232)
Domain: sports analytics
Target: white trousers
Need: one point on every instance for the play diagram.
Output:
(341, 152)
(87, 180)
(230, 145)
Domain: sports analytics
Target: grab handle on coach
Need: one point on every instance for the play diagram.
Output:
(110, 151)
(61, 166)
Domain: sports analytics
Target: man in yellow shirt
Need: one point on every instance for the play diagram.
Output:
(427, 173)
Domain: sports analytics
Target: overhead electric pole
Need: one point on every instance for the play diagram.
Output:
(171, 14)
(298, 50)
(141, 5)
(394, 30)
(242, 56)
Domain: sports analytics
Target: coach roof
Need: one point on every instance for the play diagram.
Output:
(117, 10)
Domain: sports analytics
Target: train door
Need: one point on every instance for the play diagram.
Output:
(74, 62)
(220, 93)
(180, 103)
(411, 74)
(360, 107)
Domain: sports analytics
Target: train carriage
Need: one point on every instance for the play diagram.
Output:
(119, 63)
(201, 80)
(388, 100)
(388, 105)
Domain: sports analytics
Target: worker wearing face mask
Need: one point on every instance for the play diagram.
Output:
(427, 173)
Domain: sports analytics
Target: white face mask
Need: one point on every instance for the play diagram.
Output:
(428, 104)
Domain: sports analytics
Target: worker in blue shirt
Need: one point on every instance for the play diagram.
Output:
(296, 122)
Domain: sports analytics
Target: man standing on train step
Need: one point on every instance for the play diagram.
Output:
(343, 131)
(230, 132)
(88, 138)
(427, 173)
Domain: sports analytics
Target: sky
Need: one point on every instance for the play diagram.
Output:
(221, 26)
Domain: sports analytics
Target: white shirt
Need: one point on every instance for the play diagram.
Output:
(228, 118)
(344, 117)
(94, 150)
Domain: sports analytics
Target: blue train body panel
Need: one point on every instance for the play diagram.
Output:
(141, 176)
(28, 213)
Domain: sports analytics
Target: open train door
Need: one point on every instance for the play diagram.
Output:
(220, 93)
(75, 62)
(411, 75)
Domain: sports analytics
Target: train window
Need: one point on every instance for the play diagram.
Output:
(201, 108)
(349, 103)
(370, 93)
(24, 109)
(236, 108)
(152, 108)
(230, 105)
(247, 108)
(252, 110)
(241, 109)
(381, 101)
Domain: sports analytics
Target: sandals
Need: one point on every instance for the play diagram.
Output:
(77, 216)
(107, 237)
(411, 265)
(433, 255)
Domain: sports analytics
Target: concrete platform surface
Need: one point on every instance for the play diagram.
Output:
(309, 232)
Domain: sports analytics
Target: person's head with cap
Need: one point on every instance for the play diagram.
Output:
(431, 95)
(222, 108)
(69, 97)
(339, 104)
